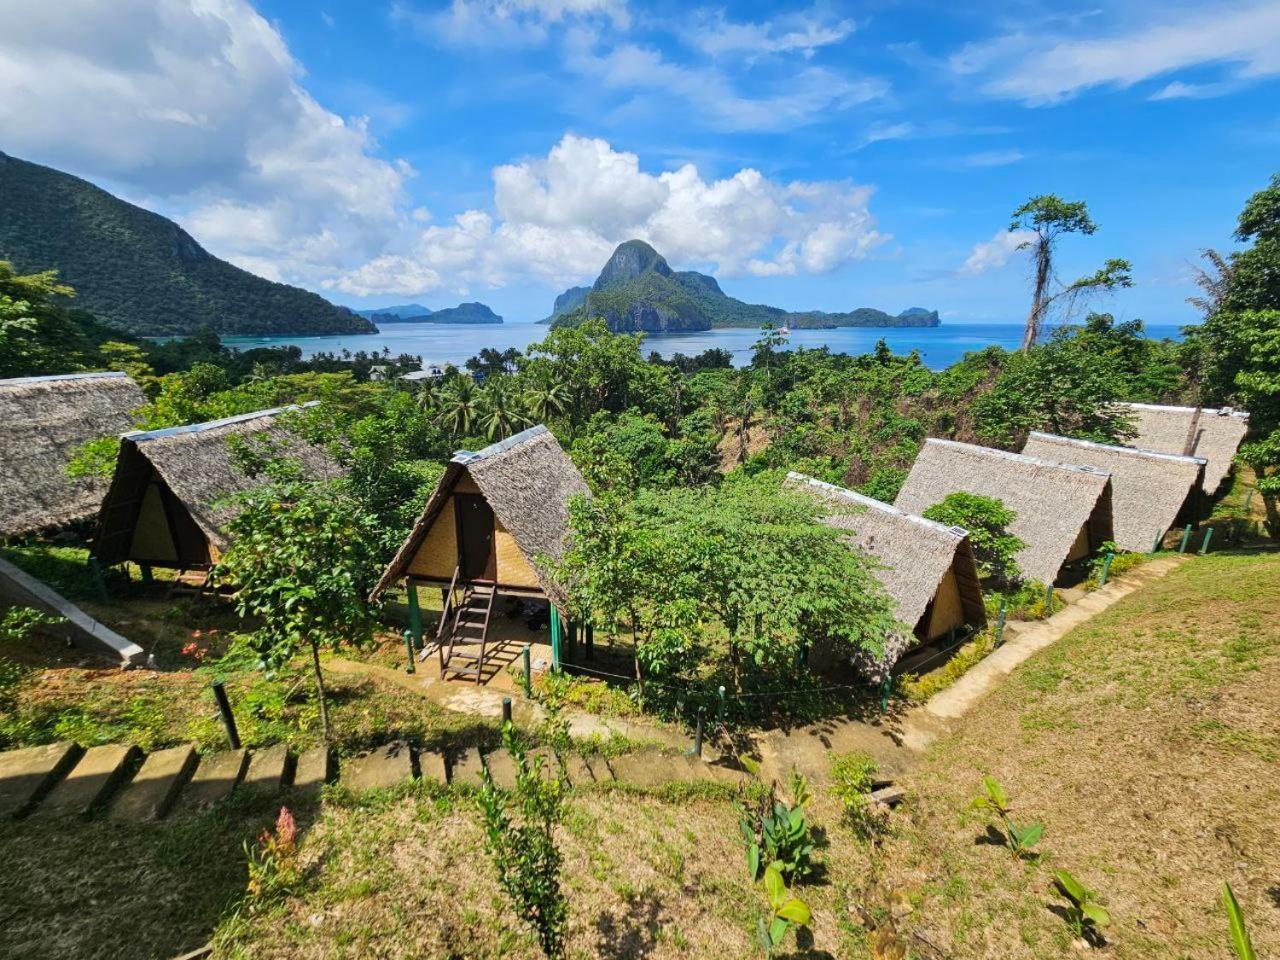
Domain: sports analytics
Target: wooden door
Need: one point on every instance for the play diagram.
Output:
(475, 537)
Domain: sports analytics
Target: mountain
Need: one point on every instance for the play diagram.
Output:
(638, 290)
(137, 271)
(572, 298)
(405, 313)
(464, 313)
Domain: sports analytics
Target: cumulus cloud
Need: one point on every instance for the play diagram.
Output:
(560, 216)
(1038, 68)
(196, 105)
(995, 253)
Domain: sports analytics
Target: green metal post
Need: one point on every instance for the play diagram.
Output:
(1155, 547)
(555, 639)
(1048, 601)
(1248, 500)
(1106, 568)
(1204, 547)
(415, 616)
(148, 575)
(528, 673)
(1000, 618)
(885, 689)
(572, 631)
(1186, 535)
(408, 649)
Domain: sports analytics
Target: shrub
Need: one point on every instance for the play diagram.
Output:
(987, 520)
(921, 688)
(778, 834)
(274, 870)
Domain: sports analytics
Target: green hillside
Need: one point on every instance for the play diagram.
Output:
(638, 290)
(139, 272)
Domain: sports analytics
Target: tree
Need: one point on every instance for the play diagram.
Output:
(987, 520)
(492, 363)
(303, 558)
(458, 406)
(545, 397)
(1049, 218)
(1255, 273)
(38, 336)
(501, 412)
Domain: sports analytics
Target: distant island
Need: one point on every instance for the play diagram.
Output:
(463, 313)
(141, 273)
(638, 291)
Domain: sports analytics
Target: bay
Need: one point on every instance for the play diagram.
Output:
(939, 346)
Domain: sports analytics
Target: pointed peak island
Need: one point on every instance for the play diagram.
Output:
(638, 291)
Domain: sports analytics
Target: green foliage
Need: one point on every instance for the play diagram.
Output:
(1085, 915)
(1020, 839)
(785, 912)
(141, 273)
(15, 626)
(920, 689)
(273, 862)
(987, 520)
(1241, 942)
(852, 778)
(777, 834)
(38, 335)
(97, 458)
(524, 850)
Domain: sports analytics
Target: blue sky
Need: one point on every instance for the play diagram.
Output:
(810, 155)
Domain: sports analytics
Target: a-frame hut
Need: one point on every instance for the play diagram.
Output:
(494, 514)
(1063, 510)
(927, 568)
(1213, 434)
(167, 503)
(44, 421)
(1150, 492)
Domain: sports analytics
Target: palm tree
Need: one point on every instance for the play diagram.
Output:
(429, 396)
(500, 410)
(546, 397)
(457, 406)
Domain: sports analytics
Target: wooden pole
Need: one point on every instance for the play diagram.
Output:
(415, 615)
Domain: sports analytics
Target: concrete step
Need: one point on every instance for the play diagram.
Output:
(27, 775)
(269, 770)
(502, 766)
(582, 770)
(215, 779)
(384, 767)
(314, 770)
(646, 768)
(91, 782)
(465, 768)
(154, 788)
(431, 767)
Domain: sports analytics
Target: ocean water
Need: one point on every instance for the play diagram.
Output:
(939, 346)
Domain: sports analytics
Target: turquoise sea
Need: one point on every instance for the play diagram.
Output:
(939, 346)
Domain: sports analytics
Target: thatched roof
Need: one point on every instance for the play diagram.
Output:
(527, 480)
(1214, 435)
(43, 423)
(1148, 489)
(198, 465)
(1052, 500)
(914, 555)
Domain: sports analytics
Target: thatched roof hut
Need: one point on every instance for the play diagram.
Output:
(1150, 492)
(166, 505)
(1214, 434)
(927, 568)
(43, 423)
(1063, 511)
(491, 516)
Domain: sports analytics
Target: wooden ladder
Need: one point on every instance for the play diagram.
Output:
(468, 632)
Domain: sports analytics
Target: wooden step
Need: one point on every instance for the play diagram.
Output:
(91, 782)
(153, 790)
(215, 779)
(27, 775)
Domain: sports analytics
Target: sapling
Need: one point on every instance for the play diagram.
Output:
(1084, 913)
(1019, 839)
(1240, 939)
(785, 911)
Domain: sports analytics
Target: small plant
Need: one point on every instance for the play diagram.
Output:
(852, 777)
(1240, 940)
(1086, 916)
(1020, 840)
(775, 833)
(525, 854)
(274, 870)
(785, 912)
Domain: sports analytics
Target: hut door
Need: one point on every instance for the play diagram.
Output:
(475, 537)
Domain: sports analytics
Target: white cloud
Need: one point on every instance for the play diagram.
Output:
(805, 96)
(504, 22)
(560, 216)
(988, 158)
(996, 252)
(1039, 68)
(196, 106)
(801, 33)
(879, 132)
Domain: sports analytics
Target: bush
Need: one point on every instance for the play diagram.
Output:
(921, 688)
(987, 520)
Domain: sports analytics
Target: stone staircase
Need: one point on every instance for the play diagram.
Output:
(119, 782)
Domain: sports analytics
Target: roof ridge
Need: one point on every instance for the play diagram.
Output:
(502, 446)
(1216, 411)
(1117, 448)
(1019, 457)
(875, 504)
(59, 377)
(141, 436)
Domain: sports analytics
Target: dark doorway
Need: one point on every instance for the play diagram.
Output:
(475, 537)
